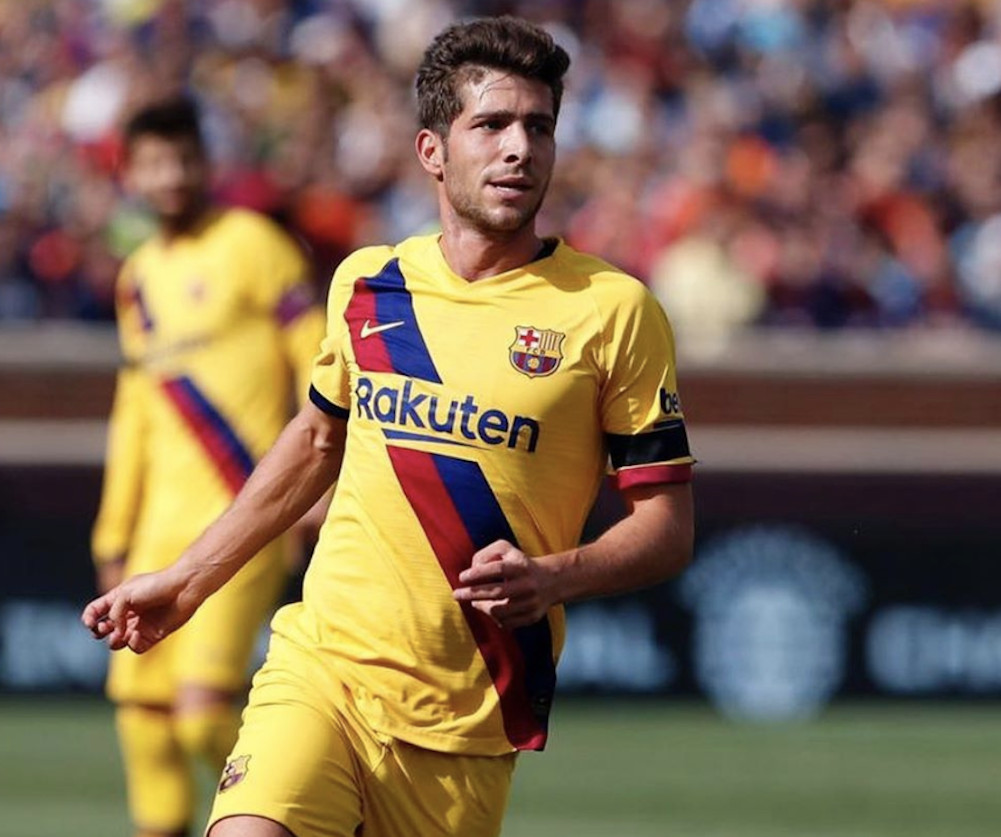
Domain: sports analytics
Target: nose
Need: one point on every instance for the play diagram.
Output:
(517, 143)
(171, 173)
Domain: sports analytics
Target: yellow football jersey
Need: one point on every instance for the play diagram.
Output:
(476, 411)
(218, 330)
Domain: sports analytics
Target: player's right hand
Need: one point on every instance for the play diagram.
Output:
(506, 585)
(138, 613)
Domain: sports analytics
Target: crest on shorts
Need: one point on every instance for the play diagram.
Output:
(536, 352)
(234, 772)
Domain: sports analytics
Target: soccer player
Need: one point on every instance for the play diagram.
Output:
(218, 329)
(470, 389)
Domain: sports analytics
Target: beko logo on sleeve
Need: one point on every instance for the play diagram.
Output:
(670, 403)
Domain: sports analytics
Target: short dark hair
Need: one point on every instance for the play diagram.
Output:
(465, 49)
(173, 119)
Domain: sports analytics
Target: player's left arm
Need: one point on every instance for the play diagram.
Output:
(651, 544)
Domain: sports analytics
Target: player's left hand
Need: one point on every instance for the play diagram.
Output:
(506, 585)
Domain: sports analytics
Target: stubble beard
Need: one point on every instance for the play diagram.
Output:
(508, 221)
(186, 217)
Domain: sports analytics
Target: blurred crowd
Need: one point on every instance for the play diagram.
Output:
(818, 163)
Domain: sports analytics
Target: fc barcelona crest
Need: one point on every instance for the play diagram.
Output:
(234, 772)
(536, 352)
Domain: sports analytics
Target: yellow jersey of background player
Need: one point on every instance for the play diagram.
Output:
(218, 327)
(218, 330)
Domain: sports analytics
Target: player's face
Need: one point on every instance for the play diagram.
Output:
(169, 174)
(499, 153)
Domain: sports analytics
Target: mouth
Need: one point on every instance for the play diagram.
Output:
(513, 186)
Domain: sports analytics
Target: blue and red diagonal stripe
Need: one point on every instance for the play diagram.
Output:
(231, 458)
(460, 514)
(295, 302)
(380, 301)
(130, 294)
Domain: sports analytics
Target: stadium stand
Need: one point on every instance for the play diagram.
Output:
(789, 164)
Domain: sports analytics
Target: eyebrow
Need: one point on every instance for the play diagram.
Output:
(510, 115)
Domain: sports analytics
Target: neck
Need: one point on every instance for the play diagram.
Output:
(177, 225)
(474, 254)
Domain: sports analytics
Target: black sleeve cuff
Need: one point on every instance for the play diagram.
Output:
(329, 407)
(664, 444)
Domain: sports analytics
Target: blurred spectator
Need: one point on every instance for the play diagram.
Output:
(820, 163)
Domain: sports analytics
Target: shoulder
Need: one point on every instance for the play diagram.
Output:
(133, 264)
(612, 289)
(363, 262)
(150, 248)
(251, 227)
(419, 250)
(239, 218)
(368, 261)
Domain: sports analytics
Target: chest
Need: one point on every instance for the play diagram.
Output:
(187, 292)
(494, 368)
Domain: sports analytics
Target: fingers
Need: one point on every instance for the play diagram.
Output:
(118, 631)
(501, 584)
(480, 592)
(498, 548)
(137, 643)
(95, 616)
(495, 562)
(117, 636)
(495, 551)
(134, 636)
(486, 585)
(96, 610)
(105, 617)
(108, 619)
(133, 615)
(509, 614)
(497, 576)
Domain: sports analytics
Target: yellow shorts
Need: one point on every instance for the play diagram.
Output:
(307, 759)
(214, 648)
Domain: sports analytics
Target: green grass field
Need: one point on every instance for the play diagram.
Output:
(614, 770)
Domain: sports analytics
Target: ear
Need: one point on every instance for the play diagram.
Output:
(431, 152)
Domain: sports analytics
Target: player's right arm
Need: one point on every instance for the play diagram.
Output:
(303, 463)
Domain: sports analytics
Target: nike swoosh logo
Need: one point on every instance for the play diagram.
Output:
(368, 330)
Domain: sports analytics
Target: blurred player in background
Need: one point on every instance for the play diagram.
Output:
(470, 389)
(218, 328)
